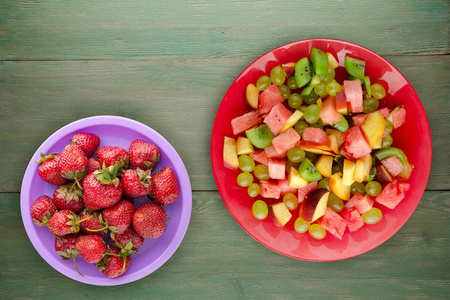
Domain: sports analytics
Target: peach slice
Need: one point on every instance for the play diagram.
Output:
(291, 121)
(363, 166)
(314, 205)
(324, 164)
(279, 213)
(252, 95)
(337, 186)
(348, 172)
(373, 127)
(244, 146)
(295, 180)
(230, 158)
(316, 148)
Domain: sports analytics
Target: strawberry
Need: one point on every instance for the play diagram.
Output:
(119, 216)
(68, 197)
(93, 165)
(88, 142)
(114, 263)
(94, 225)
(143, 155)
(42, 210)
(128, 236)
(136, 183)
(149, 220)
(49, 169)
(64, 222)
(92, 248)
(102, 189)
(73, 163)
(65, 246)
(109, 155)
(165, 188)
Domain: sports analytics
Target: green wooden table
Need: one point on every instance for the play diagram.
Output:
(168, 64)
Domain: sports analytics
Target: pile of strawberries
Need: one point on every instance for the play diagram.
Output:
(96, 196)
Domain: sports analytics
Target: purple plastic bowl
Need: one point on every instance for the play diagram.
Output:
(113, 131)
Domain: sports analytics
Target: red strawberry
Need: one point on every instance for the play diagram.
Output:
(114, 263)
(165, 188)
(102, 189)
(42, 210)
(73, 163)
(64, 222)
(144, 155)
(65, 246)
(92, 248)
(136, 183)
(94, 225)
(149, 220)
(69, 197)
(110, 155)
(93, 165)
(119, 216)
(128, 236)
(49, 169)
(88, 142)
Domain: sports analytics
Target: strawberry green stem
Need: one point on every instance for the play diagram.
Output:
(75, 263)
(82, 220)
(96, 230)
(124, 257)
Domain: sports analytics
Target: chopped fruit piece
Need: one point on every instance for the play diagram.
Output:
(269, 189)
(269, 98)
(295, 180)
(286, 140)
(382, 175)
(252, 96)
(260, 156)
(354, 95)
(281, 214)
(332, 62)
(302, 192)
(324, 164)
(285, 187)
(397, 116)
(361, 203)
(260, 137)
(348, 172)
(353, 218)
(271, 152)
(316, 135)
(358, 120)
(244, 146)
(277, 117)
(328, 112)
(355, 145)
(277, 169)
(341, 103)
(363, 167)
(393, 165)
(338, 187)
(230, 159)
(245, 122)
(373, 127)
(393, 193)
(293, 119)
(333, 223)
(316, 148)
(314, 205)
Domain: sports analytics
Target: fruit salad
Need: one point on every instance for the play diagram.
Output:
(314, 150)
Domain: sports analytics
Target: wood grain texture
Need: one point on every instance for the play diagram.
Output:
(177, 98)
(65, 30)
(219, 260)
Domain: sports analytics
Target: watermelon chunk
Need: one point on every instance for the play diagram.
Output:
(398, 117)
(269, 98)
(285, 188)
(245, 122)
(333, 223)
(306, 190)
(353, 218)
(269, 189)
(341, 103)
(384, 112)
(277, 169)
(355, 145)
(286, 140)
(359, 119)
(392, 193)
(277, 117)
(353, 95)
(313, 134)
(393, 165)
(361, 203)
(271, 152)
(260, 156)
(328, 112)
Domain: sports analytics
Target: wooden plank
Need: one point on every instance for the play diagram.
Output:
(177, 98)
(219, 260)
(53, 30)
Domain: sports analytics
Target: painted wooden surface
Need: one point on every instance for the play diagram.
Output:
(168, 64)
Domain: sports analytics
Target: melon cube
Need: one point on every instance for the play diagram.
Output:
(353, 95)
(341, 103)
(245, 122)
(393, 165)
(271, 152)
(285, 188)
(353, 218)
(328, 112)
(384, 112)
(269, 189)
(392, 193)
(277, 169)
(277, 117)
(260, 156)
(333, 223)
(313, 134)
(286, 140)
(313, 185)
(269, 98)
(358, 120)
(355, 145)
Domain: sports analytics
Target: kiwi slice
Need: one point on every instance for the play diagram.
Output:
(355, 67)
(319, 60)
(260, 137)
(303, 72)
(341, 125)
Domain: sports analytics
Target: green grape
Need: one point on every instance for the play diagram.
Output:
(285, 91)
(246, 163)
(261, 172)
(317, 231)
(333, 88)
(290, 200)
(329, 76)
(373, 188)
(336, 168)
(324, 183)
(377, 91)
(301, 226)
(311, 98)
(244, 179)
(320, 89)
(292, 83)
(311, 156)
(260, 209)
(370, 105)
(263, 82)
(253, 190)
(358, 188)
(295, 100)
(386, 141)
(296, 155)
(312, 113)
(302, 108)
(388, 127)
(300, 127)
(372, 216)
(335, 203)
(277, 75)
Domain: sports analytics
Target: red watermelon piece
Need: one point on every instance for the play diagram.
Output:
(269, 189)
(277, 168)
(384, 112)
(355, 145)
(269, 98)
(271, 152)
(398, 117)
(393, 165)
(333, 223)
(359, 119)
(313, 134)
(328, 112)
(286, 140)
(260, 156)
(277, 117)
(392, 193)
(361, 203)
(285, 188)
(341, 103)
(311, 186)
(353, 218)
(353, 95)
(246, 121)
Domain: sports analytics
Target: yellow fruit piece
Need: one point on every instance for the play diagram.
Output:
(295, 180)
(281, 213)
(324, 164)
(378, 144)
(319, 103)
(362, 169)
(252, 95)
(348, 172)
(373, 127)
(337, 187)
(292, 120)
(230, 158)
(244, 146)
(332, 62)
